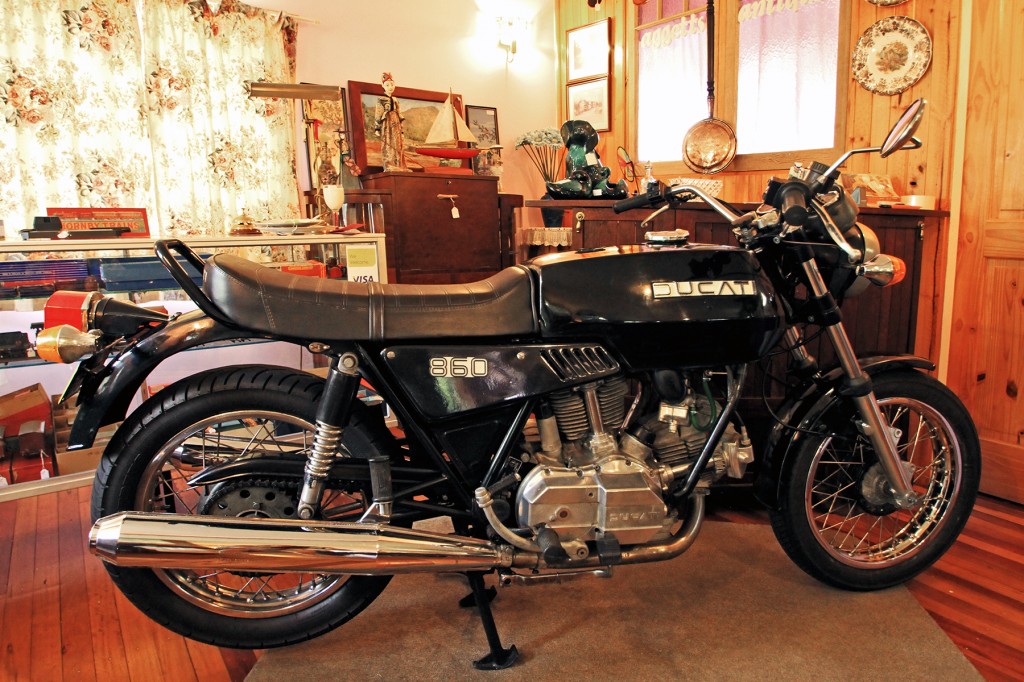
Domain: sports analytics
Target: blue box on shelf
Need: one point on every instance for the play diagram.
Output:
(139, 274)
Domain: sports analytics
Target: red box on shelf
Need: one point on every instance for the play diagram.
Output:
(31, 468)
(311, 268)
(25, 405)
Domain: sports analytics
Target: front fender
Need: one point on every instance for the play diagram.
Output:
(107, 392)
(803, 407)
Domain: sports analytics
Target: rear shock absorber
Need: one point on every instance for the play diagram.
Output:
(331, 415)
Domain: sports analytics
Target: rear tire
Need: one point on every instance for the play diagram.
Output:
(240, 411)
(835, 519)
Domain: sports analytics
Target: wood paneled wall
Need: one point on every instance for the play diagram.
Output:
(869, 118)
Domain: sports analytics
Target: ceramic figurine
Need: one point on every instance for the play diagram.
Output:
(585, 175)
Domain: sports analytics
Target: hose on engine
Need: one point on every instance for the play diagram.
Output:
(704, 428)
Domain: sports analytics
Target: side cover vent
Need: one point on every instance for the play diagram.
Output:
(575, 363)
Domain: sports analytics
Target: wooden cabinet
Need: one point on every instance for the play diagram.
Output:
(425, 241)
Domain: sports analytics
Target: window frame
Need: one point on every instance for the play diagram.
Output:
(726, 89)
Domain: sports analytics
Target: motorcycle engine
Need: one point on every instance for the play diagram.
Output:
(590, 484)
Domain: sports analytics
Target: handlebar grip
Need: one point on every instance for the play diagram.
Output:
(639, 201)
(793, 204)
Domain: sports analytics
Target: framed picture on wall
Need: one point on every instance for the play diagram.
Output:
(483, 122)
(419, 108)
(327, 145)
(588, 50)
(589, 101)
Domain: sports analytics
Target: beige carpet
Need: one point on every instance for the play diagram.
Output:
(733, 608)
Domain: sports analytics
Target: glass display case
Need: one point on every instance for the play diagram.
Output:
(31, 270)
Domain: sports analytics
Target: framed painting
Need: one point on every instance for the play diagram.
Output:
(588, 50)
(328, 151)
(483, 122)
(419, 108)
(589, 101)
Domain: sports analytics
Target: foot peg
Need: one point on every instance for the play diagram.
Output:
(551, 547)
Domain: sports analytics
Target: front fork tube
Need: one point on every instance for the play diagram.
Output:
(332, 413)
(873, 425)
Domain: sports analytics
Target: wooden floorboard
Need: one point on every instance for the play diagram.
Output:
(46, 606)
(75, 631)
(62, 619)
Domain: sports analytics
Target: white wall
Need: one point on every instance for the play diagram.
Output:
(437, 45)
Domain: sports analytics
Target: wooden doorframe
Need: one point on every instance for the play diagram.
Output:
(956, 186)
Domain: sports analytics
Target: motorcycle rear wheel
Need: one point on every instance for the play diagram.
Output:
(233, 412)
(836, 519)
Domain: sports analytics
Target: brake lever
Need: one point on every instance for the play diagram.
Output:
(648, 219)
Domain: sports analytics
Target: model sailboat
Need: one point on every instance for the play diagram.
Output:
(445, 135)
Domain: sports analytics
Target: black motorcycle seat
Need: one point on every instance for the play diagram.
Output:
(268, 300)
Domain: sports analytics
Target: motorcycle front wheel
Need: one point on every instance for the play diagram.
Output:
(836, 519)
(210, 419)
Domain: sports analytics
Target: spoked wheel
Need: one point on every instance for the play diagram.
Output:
(209, 420)
(838, 520)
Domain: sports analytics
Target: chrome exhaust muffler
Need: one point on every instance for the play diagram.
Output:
(137, 539)
(147, 540)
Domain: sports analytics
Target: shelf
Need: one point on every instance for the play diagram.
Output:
(136, 244)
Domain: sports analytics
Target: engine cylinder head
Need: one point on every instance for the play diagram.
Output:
(570, 408)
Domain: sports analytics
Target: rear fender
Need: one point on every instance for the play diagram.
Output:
(803, 408)
(107, 393)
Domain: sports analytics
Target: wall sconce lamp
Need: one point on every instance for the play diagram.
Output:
(510, 32)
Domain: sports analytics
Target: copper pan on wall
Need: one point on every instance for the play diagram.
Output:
(710, 145)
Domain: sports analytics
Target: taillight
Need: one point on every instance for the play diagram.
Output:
(72, 308)
(75, 322)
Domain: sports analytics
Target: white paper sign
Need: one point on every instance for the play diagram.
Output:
(361, 260)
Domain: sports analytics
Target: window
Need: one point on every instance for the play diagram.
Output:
(787, 57)
(671, 68)
(775, 59)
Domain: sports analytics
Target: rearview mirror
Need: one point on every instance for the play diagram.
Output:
(904, 129)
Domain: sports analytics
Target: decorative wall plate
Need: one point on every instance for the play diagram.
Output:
(892, 55)
(887, 3)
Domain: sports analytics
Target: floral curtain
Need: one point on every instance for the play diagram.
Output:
(141, 103)
(218, 151)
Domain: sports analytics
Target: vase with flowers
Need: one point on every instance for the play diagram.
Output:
(546, 150)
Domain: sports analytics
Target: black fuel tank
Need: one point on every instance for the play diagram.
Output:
(688, 306)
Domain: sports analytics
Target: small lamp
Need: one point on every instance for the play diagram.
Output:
(510, 30)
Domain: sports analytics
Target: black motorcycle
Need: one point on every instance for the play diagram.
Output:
(566, 415)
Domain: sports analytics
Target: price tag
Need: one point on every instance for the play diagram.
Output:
(591, 159)
(455, 212)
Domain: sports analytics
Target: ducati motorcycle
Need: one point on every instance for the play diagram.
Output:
(567, 415)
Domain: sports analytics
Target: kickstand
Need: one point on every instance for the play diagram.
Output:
(499, 658)
(469, 601)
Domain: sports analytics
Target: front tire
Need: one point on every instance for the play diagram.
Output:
(205, 420)
(836, 519)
